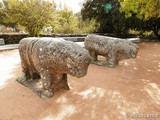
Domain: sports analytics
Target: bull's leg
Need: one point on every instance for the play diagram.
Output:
(59, 81)
(28, 73)
(93, 55)
(65, 82)
(35, 76)
(46, 83)
(25, 71)
(111, 59)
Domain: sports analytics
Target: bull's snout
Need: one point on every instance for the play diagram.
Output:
(77, 72)
(133, 54)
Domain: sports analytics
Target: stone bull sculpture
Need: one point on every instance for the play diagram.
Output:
(114, 49)
(50, 60)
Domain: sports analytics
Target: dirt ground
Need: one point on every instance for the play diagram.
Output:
(121, 93)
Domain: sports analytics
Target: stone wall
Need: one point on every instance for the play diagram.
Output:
(64, 35)
(12, 38)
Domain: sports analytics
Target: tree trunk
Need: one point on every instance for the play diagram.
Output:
(156, 32)
(156, 28)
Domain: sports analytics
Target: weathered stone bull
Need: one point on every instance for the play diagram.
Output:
(114, 49)
(50, 60)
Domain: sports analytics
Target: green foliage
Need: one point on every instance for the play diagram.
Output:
(140, 32)
(143, 15)
(111, 21)
(64, 22)
(3, 15)
(89, 26)
(1, 5)
(1, 12)
(144, 9)
(32, 14)
(34, 17)
(86, 26)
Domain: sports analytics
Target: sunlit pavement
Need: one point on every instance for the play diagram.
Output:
(8, 62)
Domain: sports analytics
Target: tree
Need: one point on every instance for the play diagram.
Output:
(3, 21)
(32, 14)
(107, 14)
(65, 21)
(1, 12)
(146, 10)
(86, 26)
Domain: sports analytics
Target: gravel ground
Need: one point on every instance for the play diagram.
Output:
(126, 92)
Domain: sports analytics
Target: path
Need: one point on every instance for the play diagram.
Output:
(133, 87)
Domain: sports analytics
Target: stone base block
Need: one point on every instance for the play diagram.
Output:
(36, 86)
(103, 63)
(2, 41)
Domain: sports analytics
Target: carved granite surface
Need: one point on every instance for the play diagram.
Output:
(114, 49)
(50, 60)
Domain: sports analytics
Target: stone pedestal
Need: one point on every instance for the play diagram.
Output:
(36, 85)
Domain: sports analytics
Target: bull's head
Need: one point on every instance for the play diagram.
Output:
(77, 65)
(127, 52)
(132, 53)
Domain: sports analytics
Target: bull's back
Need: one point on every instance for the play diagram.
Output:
(99, 46)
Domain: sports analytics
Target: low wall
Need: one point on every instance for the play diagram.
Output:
(65, 35)
(12, 38)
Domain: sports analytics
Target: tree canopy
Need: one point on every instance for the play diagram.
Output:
(39, 16)
(144, 9)
(107, 14)
(65, 21)
(31, 14)
(118, 16)
(104, 16)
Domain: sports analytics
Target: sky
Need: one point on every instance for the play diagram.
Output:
(75, 5)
